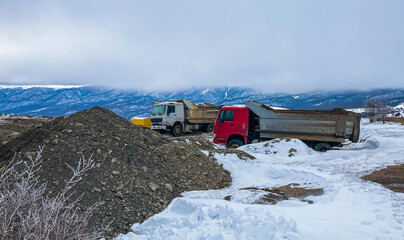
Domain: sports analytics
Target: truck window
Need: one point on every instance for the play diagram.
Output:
(170, 109)
(158, 109)
(226, 116)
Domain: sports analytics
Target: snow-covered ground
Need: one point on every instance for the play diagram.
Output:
(350, 207)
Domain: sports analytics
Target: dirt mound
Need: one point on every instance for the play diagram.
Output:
(12, 126)
(139, 171)
(391, 177)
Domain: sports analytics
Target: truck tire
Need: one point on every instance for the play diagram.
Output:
(322, 147)
(209, 127)
(235, 143)
(177, 130)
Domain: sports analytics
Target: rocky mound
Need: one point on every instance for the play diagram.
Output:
(12, 126)
(139, 171)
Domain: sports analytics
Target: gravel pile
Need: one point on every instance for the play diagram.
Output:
(12, 126)
(139, 172)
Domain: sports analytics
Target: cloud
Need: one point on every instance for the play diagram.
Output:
(164, 45)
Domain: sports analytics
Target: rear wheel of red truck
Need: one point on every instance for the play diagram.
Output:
(235, 143)
(322, 147)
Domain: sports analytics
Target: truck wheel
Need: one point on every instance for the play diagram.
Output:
(322, 147)
(177, 130)
(235, 143)
(209, 128)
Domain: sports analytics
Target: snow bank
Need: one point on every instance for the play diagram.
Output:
(280, 148)
(369, 143)
(213, 220)
(262, 172)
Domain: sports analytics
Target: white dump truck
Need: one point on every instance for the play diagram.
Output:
(180, 116)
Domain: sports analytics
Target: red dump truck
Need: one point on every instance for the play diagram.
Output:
(319, 129)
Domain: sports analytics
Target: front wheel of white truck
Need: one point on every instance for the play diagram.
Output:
(177, 130)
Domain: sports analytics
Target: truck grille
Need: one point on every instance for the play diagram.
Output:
(156, 120)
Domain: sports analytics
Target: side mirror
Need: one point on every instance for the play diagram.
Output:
(221, 121)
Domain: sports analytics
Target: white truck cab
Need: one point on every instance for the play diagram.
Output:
(181, 116)
(166, 114)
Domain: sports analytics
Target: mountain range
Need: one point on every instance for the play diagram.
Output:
(64, 100)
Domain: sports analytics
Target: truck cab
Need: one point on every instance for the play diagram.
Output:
(165, 115)
(232, 126)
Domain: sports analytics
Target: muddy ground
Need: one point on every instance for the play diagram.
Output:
(391, 177)
(277, 194)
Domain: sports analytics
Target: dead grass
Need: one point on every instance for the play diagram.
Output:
(391, 177)
(292, 190)
(393, 119)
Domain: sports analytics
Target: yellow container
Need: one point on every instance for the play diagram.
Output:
(144, 122)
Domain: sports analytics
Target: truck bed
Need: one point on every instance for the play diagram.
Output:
(203, 113)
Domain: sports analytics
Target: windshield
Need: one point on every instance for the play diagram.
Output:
(159, 110)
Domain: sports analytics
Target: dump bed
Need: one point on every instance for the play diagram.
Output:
(199, 113)
(310, 125)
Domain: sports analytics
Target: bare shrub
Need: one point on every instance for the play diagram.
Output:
(27, 213)
(375, 109)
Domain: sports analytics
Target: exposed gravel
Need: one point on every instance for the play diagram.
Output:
(12, 126)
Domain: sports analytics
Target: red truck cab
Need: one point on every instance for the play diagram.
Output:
(232, 126)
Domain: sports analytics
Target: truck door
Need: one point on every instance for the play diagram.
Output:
(171, 114)
(226, 123)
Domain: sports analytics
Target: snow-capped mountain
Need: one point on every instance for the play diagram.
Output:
(65, 100)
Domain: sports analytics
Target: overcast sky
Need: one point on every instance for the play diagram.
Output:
(290, 46)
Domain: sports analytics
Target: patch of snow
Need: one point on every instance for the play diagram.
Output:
(279, 147)
(140, 118)
(239, 105)
(369, 143)
(13, 116)
(225, 94)
(38, 110)
(205, 152)
(205, 91)
(400, 106)
(279, 108)
(357, 110)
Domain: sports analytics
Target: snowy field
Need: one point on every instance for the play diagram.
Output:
(350, 207)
